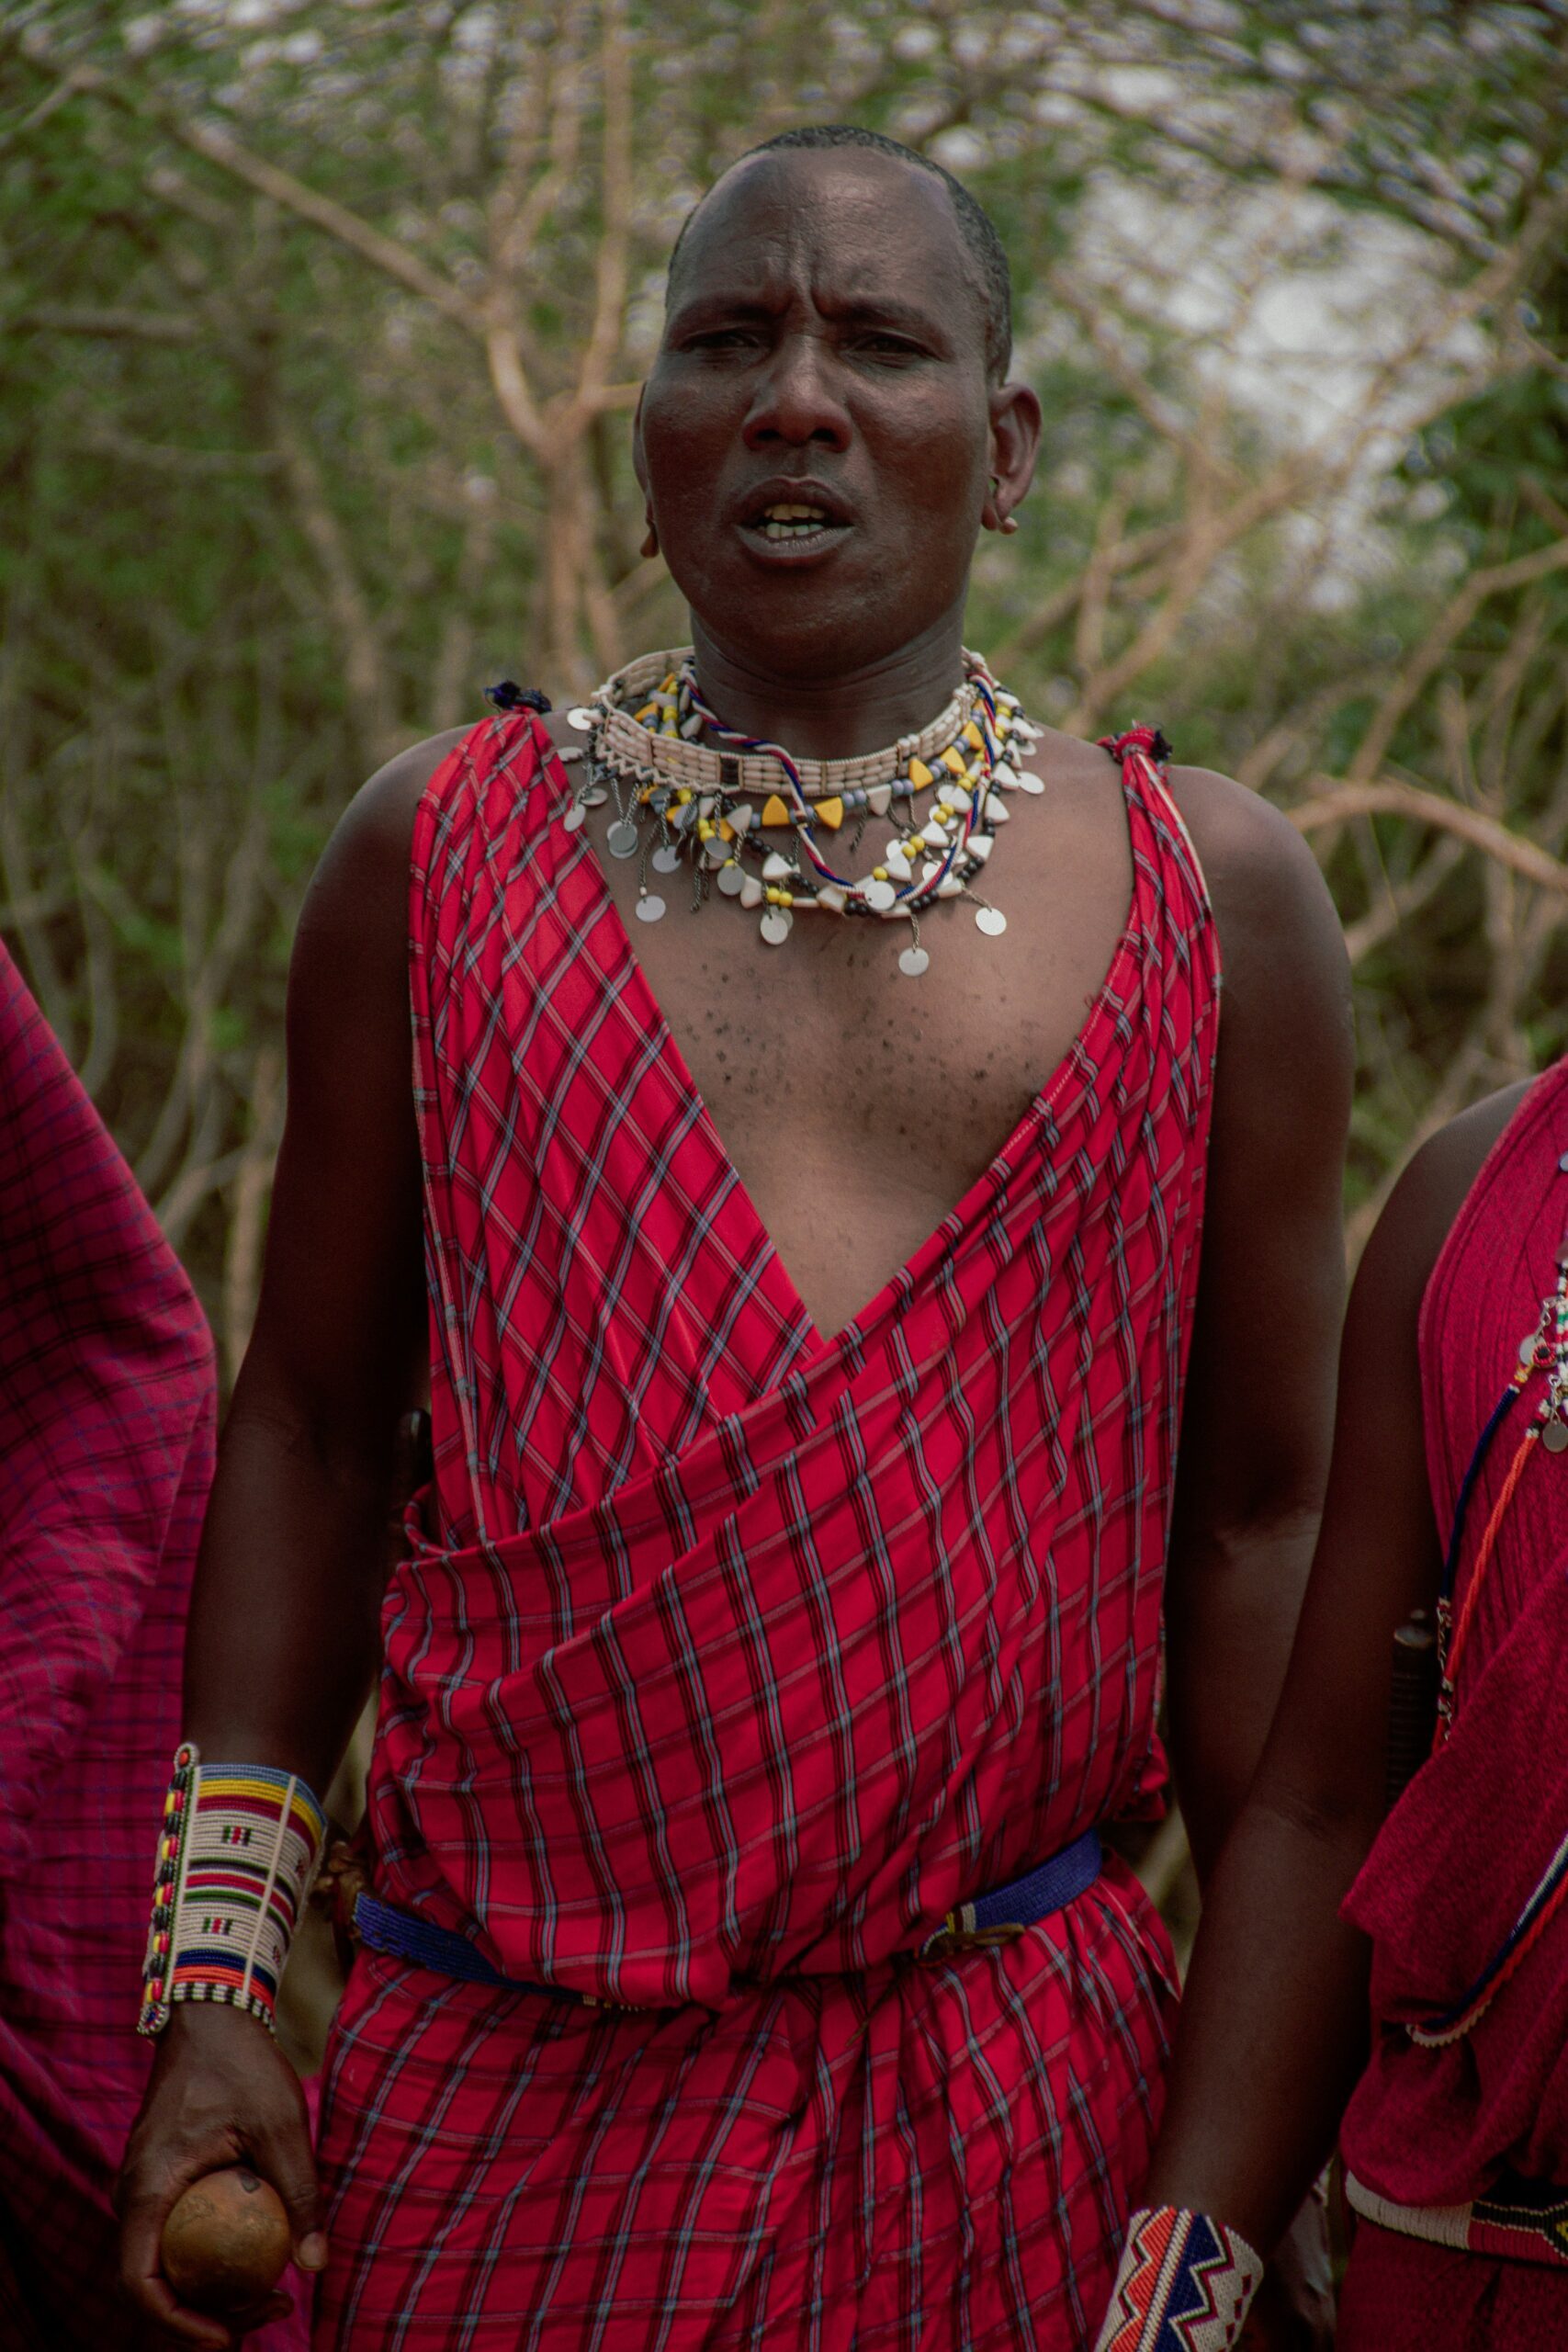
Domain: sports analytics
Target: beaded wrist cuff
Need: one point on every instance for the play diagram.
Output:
(1185, 2279)
(238, 1850)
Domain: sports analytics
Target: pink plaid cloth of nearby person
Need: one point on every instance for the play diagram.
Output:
(107, 1406)
(729, 1659)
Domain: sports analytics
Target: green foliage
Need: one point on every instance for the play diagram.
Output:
(268, 512)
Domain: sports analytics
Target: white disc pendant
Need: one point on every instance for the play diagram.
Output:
(665, 860)
(651, 909)
(621, 838)
(991, 921)
(731, 880)
(581, 719)
(575, 816)
(1027, 782)
(913, 961)
(776, 926)
(880, 897)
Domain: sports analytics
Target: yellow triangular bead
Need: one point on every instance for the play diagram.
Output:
(830, 813)
(775, 811)
(726, 830)
(919, 774)
(973, 735)
(953, 758)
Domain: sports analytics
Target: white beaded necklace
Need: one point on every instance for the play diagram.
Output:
(642, 726)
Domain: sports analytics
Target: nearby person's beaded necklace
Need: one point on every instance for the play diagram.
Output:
(756, 822)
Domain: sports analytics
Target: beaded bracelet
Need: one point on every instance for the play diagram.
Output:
(1185, 2279)
(236, 1855)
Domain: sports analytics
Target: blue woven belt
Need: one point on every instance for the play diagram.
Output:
(995, 1918)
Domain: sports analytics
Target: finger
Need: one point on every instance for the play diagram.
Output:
(178, 2326)
(242, 2322)
(283, 2157)
(141, 2273)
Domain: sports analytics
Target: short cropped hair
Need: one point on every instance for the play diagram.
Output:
(983, 247)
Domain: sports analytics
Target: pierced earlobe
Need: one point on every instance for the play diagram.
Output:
(1009, 523)
(651, 538)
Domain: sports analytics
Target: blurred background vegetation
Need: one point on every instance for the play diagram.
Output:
(320, 322)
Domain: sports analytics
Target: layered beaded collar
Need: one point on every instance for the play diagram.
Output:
(749, 818)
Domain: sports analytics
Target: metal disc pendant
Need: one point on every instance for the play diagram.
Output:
(913, 961)
(593, 795)
(581, 719)
(776, 926)
(731, 880)
(621, 838)
(1554, 1436)
(574, 816)
(665, 860)
(1027, 782)
(991, 921)
(651, 909)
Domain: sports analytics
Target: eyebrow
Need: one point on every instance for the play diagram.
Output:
(859, 311)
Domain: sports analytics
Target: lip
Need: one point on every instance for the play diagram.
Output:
(790, 490)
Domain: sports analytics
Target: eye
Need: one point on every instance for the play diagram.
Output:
(720, 339)
(881, 342)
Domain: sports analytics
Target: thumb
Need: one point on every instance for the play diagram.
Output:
(284, 2158)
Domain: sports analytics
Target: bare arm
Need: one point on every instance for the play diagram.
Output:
(1273, 2029)
(283, 1642)
(1259, 1400)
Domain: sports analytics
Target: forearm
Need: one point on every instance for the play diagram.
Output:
(283, 1639)
(1233, 1608)
(1273, 2024)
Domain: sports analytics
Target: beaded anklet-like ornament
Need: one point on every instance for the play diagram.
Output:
(713, 805)
(1185, 2279)
(238, 1850)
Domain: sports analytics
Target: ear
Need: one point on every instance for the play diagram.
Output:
(640, 456)
(1016, 423)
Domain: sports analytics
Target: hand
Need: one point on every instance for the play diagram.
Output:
(221, 2093)
(1294, 2308)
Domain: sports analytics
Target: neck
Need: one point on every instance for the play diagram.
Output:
(836, 717)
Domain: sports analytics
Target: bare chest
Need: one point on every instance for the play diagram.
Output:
(858, 1105)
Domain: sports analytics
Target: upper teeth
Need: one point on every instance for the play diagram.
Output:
(786, 514)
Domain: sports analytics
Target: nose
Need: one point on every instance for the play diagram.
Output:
(799, 400)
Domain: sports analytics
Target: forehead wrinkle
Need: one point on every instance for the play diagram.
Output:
(824, 210)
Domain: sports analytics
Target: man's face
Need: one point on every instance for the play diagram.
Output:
(824, 350)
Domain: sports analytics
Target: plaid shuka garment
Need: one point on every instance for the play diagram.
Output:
(106, 1445)
(731, 1659)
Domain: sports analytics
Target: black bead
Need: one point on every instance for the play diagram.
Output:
(508, 696)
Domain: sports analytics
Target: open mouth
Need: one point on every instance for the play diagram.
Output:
(794, 523)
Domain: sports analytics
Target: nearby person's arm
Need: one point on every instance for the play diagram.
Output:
(1259, 1400)
(1273, 2028)
(283, 1644)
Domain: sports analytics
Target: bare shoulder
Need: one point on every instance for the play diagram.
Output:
(1269, 899)
(351, 946)
(372, 837)
(1419, 1212)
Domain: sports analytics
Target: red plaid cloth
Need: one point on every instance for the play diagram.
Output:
(733, 1658)
(105, 1445)
(1480, 1825)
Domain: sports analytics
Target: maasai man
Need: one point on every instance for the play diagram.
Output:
(807, 1333)
(1449, 1498)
